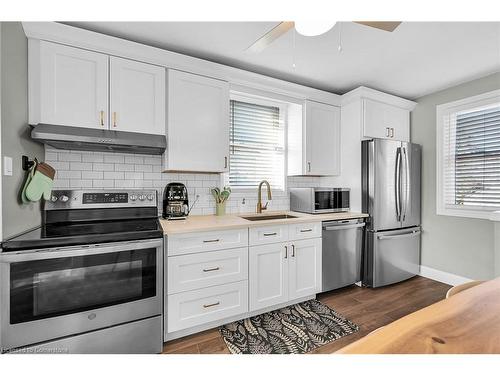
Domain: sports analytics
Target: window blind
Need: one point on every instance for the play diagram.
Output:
(472, 152)
(257, 149)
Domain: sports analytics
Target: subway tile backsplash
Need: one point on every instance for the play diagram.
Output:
(106, 170)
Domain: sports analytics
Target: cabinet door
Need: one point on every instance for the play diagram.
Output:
(137, 97)
(197, 124)
(382, 120)
(304, 268)
(322, 134)
(68, 86)
(268, 275)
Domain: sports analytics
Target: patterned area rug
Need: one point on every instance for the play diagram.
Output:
(296, 329)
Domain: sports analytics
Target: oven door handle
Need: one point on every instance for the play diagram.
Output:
(72, 251)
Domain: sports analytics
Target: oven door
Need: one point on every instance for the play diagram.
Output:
(52, 293)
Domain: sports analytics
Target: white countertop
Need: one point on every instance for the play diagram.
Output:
(203, 223)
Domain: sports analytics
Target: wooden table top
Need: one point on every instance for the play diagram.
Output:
(468, 322)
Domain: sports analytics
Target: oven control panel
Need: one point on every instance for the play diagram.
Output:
(71, 199)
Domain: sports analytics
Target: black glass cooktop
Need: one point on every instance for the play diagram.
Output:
(83, 233)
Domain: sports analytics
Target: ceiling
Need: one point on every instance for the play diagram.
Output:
(416, 59)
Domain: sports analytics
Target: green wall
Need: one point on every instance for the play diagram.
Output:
(15, 130)
(461, 246)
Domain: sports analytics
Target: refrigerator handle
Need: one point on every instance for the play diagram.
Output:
(398, 183)
(407, 183)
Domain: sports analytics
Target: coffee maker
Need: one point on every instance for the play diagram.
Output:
(175, 201)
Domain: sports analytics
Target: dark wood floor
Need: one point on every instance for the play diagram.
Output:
(368, 308)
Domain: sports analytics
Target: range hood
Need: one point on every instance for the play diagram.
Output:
(76, 138)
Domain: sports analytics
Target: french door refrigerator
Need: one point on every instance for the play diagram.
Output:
(391, 196)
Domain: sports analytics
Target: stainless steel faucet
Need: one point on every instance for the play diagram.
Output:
(261, 208)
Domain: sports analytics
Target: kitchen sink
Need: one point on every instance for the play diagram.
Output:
(268, 217)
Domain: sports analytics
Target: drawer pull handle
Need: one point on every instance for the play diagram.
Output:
(211, 305)
(306, 230)
(207, 241)
(270, 234)
(211, 269)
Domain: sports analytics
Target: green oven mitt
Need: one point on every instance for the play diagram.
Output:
(41, 183)
(29, 176)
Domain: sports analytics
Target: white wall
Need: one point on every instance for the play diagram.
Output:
(101, 170)
(460, 246)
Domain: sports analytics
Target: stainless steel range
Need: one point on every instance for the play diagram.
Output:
(89, 280)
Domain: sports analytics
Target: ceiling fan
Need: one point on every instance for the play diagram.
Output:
(280, 29)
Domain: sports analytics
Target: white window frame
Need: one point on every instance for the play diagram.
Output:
(265, 101)
(442, 111)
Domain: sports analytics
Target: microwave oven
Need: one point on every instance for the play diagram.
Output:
(315, 200)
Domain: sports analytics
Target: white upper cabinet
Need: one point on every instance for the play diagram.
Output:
(197, 123)
(67, 86)
(382, 120)
(137, 96)
(322, 139)
(314, 140)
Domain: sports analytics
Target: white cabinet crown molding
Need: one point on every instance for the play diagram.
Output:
(76, 37)
(363, 92)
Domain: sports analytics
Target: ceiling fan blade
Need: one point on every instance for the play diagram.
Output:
(382, 25)
(269, 37)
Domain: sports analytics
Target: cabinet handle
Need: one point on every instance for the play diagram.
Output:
(207, 241)
(305, 230)
(101, 114)
(387, 132)
(293, 251)
(309, 166)
(286, 252)
(270, 234)
(211, 304)
(392, 132)
(225, 162)
(211, 269)
(114, 119)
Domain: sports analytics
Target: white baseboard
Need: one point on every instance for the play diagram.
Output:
(443, 277)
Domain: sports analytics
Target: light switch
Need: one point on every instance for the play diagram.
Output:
(7, 166)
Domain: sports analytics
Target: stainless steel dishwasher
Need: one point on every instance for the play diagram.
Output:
(342, 252)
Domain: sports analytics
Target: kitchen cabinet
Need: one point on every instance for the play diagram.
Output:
(137, 96)
(314, 140)
(67, 86)
(304, 269)
(75, 87)
(268, 275)
(197, 123)
(282, 272)
(381, 120)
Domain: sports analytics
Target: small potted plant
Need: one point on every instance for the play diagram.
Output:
(221, 196)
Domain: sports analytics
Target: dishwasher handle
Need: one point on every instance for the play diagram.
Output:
(342, 227)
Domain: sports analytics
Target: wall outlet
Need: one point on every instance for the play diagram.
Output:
(7, 166)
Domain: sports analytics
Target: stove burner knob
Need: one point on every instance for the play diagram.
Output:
(133, 197)
(142, 197)
(150, 197)
(63, 198)
(53, 198)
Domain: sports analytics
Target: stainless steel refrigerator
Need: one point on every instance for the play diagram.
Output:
(391, 196)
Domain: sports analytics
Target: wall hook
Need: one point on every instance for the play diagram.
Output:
(27, 164)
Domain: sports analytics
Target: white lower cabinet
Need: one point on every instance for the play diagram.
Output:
(284, 272)
(189, 309)
(268, 275)
(304, 268)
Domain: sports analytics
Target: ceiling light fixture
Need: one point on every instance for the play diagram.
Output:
(313, 27)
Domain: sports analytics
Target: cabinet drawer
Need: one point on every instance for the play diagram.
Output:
(195, 271)
(268, 234)
(304, 230)
(187, 243)
(201, 306)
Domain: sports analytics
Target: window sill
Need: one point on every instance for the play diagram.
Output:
(471, 214)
